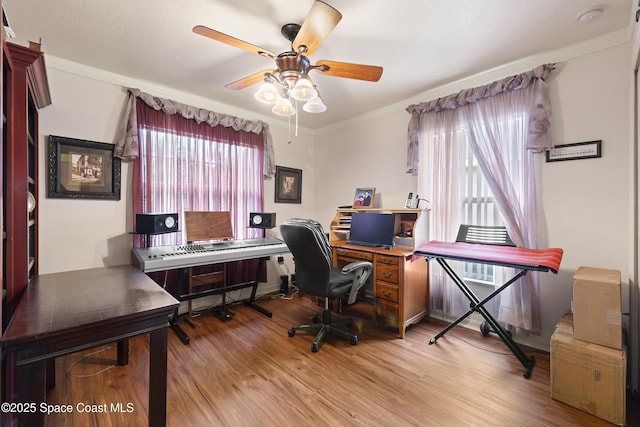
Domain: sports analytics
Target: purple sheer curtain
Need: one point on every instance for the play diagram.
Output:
(539, 109)
(184, 165)
(504, 123)
(126, 139)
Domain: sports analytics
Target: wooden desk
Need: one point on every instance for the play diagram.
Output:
(400, 285)
(62, 313)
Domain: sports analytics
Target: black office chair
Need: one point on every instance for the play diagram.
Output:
(314, 276)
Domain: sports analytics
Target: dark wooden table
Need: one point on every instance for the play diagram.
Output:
(62, 313)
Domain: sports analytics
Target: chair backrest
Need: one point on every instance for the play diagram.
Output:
(484, 234)
(311, 252)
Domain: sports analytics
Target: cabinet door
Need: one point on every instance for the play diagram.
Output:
(386, 313)
(25, 91)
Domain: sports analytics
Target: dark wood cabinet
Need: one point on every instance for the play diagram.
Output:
(25, 92)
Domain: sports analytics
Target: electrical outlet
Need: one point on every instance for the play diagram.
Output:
(280, 260)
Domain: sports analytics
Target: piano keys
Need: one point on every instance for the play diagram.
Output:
(161, 258)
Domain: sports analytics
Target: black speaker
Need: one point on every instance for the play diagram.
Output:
(151, 223)
(262, 220)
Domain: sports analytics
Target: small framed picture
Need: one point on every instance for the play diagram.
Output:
(579, 150)
(364, 198)
(288, 185)
(80, 169)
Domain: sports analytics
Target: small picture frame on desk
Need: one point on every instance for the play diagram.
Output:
(363, 198)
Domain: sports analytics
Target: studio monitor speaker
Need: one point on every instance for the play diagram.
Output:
(152, 223)
(262, 220)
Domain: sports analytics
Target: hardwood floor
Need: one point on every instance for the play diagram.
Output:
(248, 372)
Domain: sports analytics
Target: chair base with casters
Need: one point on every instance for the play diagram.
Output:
(323, 324)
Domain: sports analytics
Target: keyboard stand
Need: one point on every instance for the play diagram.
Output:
(219, 291)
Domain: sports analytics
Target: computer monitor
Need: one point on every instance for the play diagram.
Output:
(372, 229)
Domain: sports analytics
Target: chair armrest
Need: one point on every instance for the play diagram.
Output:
(355, 265)
(362, 270)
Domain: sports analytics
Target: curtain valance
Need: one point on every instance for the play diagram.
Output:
(126, 140)
(539, 117)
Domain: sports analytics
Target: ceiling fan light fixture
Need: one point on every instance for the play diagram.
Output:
(290, 79)
(315, 105)
(303, 90)
(267, 93)
(283, 108)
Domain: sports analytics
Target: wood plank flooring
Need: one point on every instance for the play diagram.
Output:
(248, 372)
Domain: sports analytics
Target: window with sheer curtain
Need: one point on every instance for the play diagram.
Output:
(186, 166)
(474, 155)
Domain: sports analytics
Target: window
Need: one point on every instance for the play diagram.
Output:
(202, 172)
(478, 208)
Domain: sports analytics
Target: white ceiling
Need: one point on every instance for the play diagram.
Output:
(421, 44)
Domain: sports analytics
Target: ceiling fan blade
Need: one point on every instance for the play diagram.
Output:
(369, 73)
(320, 21)
(224, 38)
(249, 80)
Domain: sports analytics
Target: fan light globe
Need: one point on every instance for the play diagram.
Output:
(303, 90)
(283, 108)
(315, 105)
(267, 93)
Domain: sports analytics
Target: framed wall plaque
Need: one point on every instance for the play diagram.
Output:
(288, 185)
(579, 150)
(80, 169)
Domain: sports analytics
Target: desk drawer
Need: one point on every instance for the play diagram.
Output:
(388, 273)
(387, 314)
(347, 253)
(387, 291)
(386, 259)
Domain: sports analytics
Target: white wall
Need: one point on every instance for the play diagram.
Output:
(299, 155)
(370, 153)
(586, 202)
(586, 206)
(77, 234)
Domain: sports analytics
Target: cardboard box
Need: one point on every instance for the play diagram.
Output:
(589, 376)
(565, 324)
(597, 306)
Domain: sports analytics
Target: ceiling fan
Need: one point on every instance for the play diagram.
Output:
(293, 66)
